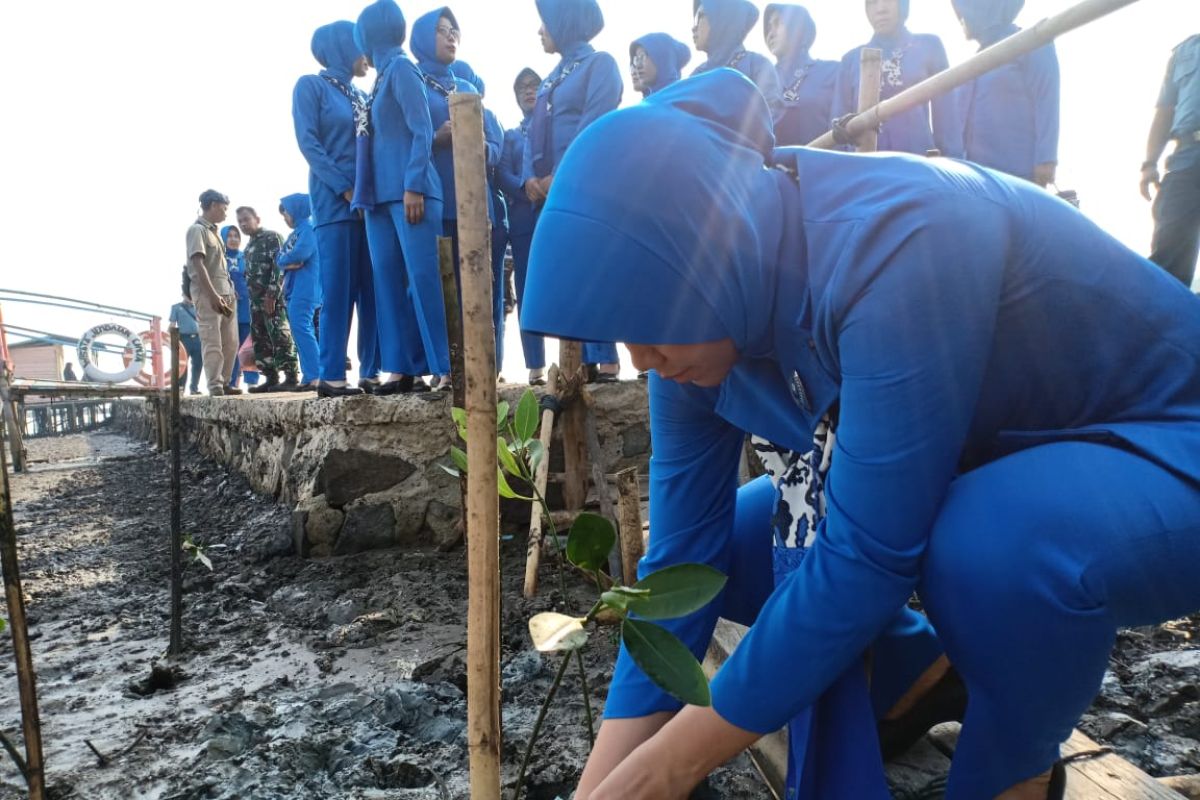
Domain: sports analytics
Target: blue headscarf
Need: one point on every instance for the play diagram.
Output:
(571, 22)
(380, 33)
(989, 21)
(334, 49)
(225, 237)
(729, 22)
(669, 55)
(298, 206)
(664, 224)
(424, 45)
(462, 69)
(890, 42)
(522, 76)
(801, 31)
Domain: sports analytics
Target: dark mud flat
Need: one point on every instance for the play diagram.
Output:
(338, 678)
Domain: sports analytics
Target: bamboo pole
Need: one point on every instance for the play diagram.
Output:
(629, 500)
(176, 640)
(15, 598)
(9, 413)
(454, 335)
(870, 73)
(573, 424)
(608, 508)
(1004, 51)
(533, 554)
(483, 509)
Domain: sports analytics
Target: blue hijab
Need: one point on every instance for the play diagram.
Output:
(571, 23)
(893, 41)
(669, 55)
(424, 45)
(801, 31)
(989, 21)
(225, 237)
(664, 224)
(380, 33)
(334, 49)
(298, 206)
(729, 22)
(462, 69)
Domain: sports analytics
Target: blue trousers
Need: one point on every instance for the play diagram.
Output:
(499, 249)
(532, 345)
(301, 312)
(1033, 563)
(1177, 223)
(195, 357)
(410, 313)
(251, 376)
(346, 283)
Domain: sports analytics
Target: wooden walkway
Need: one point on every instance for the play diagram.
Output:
(1094, 773)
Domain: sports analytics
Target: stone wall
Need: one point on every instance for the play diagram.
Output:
(363, 473)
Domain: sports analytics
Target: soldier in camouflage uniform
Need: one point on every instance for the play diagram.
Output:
(274, 351)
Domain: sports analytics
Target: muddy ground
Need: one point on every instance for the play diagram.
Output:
(339, 678)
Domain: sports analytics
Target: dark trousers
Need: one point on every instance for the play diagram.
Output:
(251, 376)
(1177, 223)
(191, 343)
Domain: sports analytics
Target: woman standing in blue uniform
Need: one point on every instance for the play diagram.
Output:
(584, 86)
(908, 59)
(235, 260)
(807, 84)
(510, 177)
(656, 61)
(323, 112)
(1011, 113)
(435, 45)
(302, 269)
(719, 30)
(883, 322)
(402, 195)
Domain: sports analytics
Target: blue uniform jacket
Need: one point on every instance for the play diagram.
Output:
(300, 248)
(806, 84)
(323, 117)
(955, 315)
(730, 21)
(402, 133)
(510, 176)
(235, 261)
(915, 57)
(1010, 113)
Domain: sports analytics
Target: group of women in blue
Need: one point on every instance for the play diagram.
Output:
(962, 389)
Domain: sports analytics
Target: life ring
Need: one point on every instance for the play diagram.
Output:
(133, 344)
(146, 376)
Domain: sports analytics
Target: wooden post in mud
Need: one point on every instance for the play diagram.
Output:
(35, 775)
(870, 74)
(629, 497)
(9, 414)
(608, 508)
(454, 335)
(176, 640)
(533, 554)
(999, 54)
(483, 505)
(573, 425)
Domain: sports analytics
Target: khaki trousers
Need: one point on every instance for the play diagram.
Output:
(219, 340)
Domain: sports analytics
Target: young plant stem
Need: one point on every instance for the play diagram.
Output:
(587, 701)
(16, 755)
(537, 724)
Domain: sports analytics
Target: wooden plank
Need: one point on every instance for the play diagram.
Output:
(573, 425)
(1094, 774)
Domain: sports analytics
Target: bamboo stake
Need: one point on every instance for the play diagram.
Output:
(9, 413)
(176, 640)
(574, 425)
(1004, 51)
(454, 334)
(870, 73)
(483, 509)
(629, 497)
(596, 457)
(533, 555)
(15, 598)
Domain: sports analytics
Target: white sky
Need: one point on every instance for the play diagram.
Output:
(118, 114)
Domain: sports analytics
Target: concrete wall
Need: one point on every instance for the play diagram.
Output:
(363, 473)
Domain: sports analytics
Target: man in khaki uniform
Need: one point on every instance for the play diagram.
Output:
(213, 293)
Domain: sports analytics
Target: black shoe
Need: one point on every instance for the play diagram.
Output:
(592, 371)
(291, 384)
(606, 377)
(329, 390)
(537, 381)
(419, 386)
(402, 385)
(1057, 789)
(644, 375)
(945, 702)
(265, 386)
(368, 386)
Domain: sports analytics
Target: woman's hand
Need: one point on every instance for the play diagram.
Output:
(442, 136)
(1043, 174)
(674, 760)
(533, 190)
(348, 195)
(414, 207)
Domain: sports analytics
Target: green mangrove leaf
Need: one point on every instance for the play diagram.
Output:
(460, 459)
(505, 456)
(506, 490)
(552, 633)
(460, 421)
(450, 470)
(526, 418)
(666, 661)
(676, 591)
(615, 600)
(591, 539)
(537, 451)
(501, 414)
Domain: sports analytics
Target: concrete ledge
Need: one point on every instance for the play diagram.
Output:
(362, 472)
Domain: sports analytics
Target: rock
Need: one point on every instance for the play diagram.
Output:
(444, 524)
(228, 735)
(322, 525)
(1179, 661)
(521, 668)
(367, 527)
(347, 475)
(345, 611)
(635, 441)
